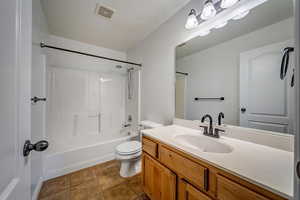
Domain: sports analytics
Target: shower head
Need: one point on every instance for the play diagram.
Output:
(118, 66)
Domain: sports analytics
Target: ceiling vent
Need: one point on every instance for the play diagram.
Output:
(104, 11)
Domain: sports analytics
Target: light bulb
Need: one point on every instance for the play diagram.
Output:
(220, 24)
(241, 15)
(192, 21)
(204, 33)
(208, 11)
(228, 3)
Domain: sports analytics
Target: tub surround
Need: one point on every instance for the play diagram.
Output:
(265, 166)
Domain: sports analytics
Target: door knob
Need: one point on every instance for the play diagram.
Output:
(243, 110)
(39, 146)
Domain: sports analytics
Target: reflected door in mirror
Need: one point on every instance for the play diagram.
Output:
(265, 100)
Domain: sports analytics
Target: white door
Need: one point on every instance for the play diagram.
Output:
(15, 65)
(180, 86)
(266, 101)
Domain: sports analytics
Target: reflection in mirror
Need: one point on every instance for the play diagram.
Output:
(244, 70)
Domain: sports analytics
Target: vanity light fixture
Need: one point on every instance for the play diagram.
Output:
(228, 3)
(209, 10)
(217, 13)
(192, 21)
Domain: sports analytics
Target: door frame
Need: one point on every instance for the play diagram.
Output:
(185, 94)
(297, 96)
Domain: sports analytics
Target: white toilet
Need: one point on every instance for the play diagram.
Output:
(129, 153)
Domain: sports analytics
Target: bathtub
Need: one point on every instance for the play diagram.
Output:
(70, 157)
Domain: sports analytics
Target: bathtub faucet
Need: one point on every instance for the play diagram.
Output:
(126, 125)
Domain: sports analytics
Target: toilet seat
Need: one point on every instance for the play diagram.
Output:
(128, 157)
(129, 148)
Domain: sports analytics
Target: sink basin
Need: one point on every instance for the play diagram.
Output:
(203, 143)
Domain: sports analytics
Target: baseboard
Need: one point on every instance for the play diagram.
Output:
(77, 166)
(37, 190)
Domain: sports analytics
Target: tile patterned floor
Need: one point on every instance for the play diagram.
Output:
(100, 182)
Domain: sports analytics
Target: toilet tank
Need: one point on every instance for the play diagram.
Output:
(149, 124)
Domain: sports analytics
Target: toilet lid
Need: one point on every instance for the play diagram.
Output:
(129, 147)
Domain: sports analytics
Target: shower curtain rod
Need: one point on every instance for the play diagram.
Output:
(43, 45)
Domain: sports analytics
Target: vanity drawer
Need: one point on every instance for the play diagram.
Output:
(150, 147)
(229, 190)
(192, 171)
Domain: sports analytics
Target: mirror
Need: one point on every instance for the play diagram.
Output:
(244, 70)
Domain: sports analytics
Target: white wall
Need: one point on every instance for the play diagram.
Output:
(221, 63)
(80, 46)
(39, 33)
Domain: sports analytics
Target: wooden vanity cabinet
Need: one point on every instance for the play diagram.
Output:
(170, 174)
(159, 183)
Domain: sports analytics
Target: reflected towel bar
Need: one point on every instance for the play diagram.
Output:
(206, 98)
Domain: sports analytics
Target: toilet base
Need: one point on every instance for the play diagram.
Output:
(130, 167)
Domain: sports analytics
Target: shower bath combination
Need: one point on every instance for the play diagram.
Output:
(89, 108)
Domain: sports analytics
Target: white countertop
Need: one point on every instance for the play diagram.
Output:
(265, 166)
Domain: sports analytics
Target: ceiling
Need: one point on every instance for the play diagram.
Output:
(132, 21)
(266, 14)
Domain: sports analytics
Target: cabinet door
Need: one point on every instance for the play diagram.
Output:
(229, 190)
(159, 183)
(188, 192)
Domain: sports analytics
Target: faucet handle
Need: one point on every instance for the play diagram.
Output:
(205, 132)
(217, 132)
